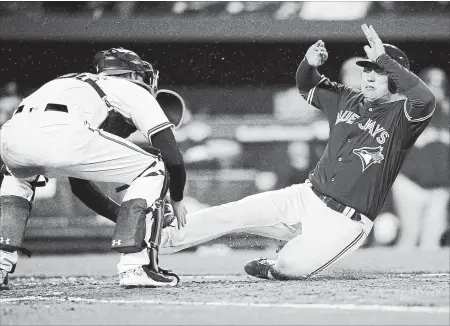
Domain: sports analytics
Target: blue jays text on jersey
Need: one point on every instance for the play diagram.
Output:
(375, 129)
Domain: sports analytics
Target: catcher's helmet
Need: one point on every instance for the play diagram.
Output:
(118, 61)
(392, 51)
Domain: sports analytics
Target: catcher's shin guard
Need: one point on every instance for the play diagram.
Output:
(15, 211)
(157, 225)
(130, 229)
(155, 236)
(155, 241)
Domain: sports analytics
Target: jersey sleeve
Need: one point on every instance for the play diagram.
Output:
(418, 111)
(137, 104)
(421, 102)
(319, 91)
(326, 96)
(148, 115)
(412, 130)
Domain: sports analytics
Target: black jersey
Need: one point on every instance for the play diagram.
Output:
(368, 142)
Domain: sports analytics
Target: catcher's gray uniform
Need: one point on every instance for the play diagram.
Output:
(56, 132)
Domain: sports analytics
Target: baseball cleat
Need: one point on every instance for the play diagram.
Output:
(143, 276)
(3, 278)
(260, 268)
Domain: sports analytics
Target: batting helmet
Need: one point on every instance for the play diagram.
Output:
(396, 54)
(392, 51)
(118, 61)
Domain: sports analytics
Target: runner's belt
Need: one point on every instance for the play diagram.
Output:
(338, 207)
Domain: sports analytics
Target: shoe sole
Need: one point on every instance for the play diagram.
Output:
(147, 284)
(262, 277)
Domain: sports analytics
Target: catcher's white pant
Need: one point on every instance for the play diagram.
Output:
(318, 236)
(56, 144)
(422, 213)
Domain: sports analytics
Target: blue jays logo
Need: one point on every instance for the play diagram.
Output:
(369, 155)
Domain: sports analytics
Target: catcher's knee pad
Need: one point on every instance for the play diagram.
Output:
(15, 211)
(130, 230)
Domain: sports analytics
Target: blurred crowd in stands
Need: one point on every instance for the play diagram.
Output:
(9, 101)
(279, 10)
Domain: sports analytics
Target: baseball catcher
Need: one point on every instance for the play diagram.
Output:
(75, 126)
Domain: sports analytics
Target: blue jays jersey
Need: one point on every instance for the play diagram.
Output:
(368, 142)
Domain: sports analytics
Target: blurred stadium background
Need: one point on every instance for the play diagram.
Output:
(247, 129)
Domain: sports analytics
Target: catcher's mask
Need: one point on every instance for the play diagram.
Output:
(119, 61)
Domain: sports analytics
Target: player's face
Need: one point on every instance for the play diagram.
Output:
(374, 83)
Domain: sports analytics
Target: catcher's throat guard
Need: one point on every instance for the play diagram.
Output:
(173, 106)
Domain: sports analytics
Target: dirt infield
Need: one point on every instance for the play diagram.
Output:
(371, 287)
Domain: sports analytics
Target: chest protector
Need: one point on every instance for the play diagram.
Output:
(115, 123)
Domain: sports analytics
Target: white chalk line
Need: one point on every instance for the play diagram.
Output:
(353, 307)
(240, 276)
(228, 277)
(425, 274)
(232, 277)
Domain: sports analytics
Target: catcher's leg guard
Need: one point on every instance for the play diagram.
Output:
(158, 218)
(16, 197)
(15, 211)
(155, 241)
(130, 229)
(155, 236)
